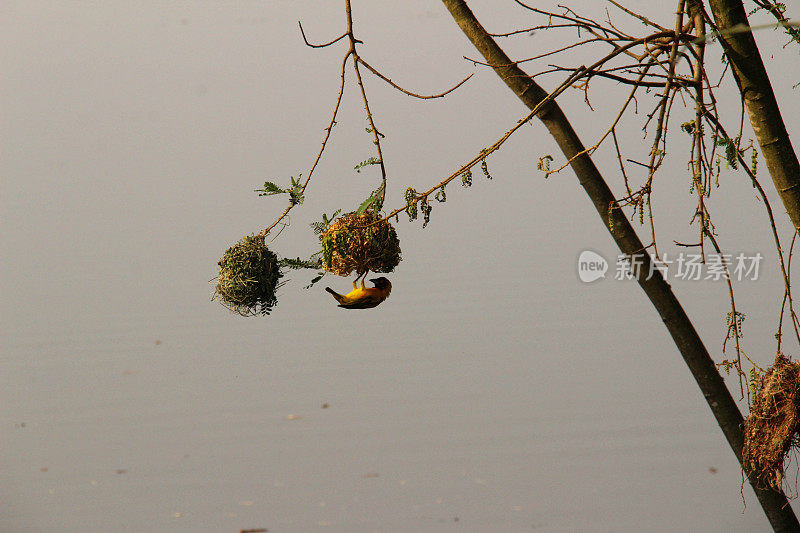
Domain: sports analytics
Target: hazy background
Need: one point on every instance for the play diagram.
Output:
(492, 392)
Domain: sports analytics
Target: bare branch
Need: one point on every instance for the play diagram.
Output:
(376, 135)
(328, 130)
(638, 16)
(342, 36)
(494, 147)
(409, 93)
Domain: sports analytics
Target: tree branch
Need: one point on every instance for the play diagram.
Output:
(657, 289)
(762, 106)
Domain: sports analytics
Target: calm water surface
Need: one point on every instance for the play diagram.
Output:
(387, 421)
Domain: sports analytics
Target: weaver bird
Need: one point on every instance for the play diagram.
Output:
(363, 297)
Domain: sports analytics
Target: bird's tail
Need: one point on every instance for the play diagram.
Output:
(339, 297)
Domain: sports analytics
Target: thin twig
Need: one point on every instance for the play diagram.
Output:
(376, 136)
(409, 93)
(494, 147)
(339, 38)
(328, 130)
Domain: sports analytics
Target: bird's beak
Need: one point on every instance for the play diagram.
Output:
(374, 280)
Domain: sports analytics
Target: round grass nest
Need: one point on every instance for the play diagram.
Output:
(248, 277)
(355, 243)
(771, 430)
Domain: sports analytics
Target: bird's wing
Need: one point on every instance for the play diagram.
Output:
(365, 301)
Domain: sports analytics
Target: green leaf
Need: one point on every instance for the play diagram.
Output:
(730, 156)
(322, 226)
(270, 189)
(731, 152)
(296, 196)
(314, 280)
(375, 200)
(295, 190)
(297, 264)
(370, 161)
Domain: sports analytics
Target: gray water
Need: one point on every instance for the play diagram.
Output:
(493, 391)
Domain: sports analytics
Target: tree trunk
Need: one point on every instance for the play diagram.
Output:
(762, 107)
(689, 344)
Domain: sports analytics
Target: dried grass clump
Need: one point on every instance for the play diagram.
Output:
(354, 244)
(248, 277)
(770, 432)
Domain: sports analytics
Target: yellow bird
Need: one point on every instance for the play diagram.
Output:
(363, 297)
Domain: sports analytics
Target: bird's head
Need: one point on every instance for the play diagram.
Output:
(381, 283)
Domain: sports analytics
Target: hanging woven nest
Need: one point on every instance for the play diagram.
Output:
(771, 430)
(248, 277)
(355, 243)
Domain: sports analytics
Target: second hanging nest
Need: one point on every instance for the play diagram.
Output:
(248, 277)
(771, 430)
(360, 243)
